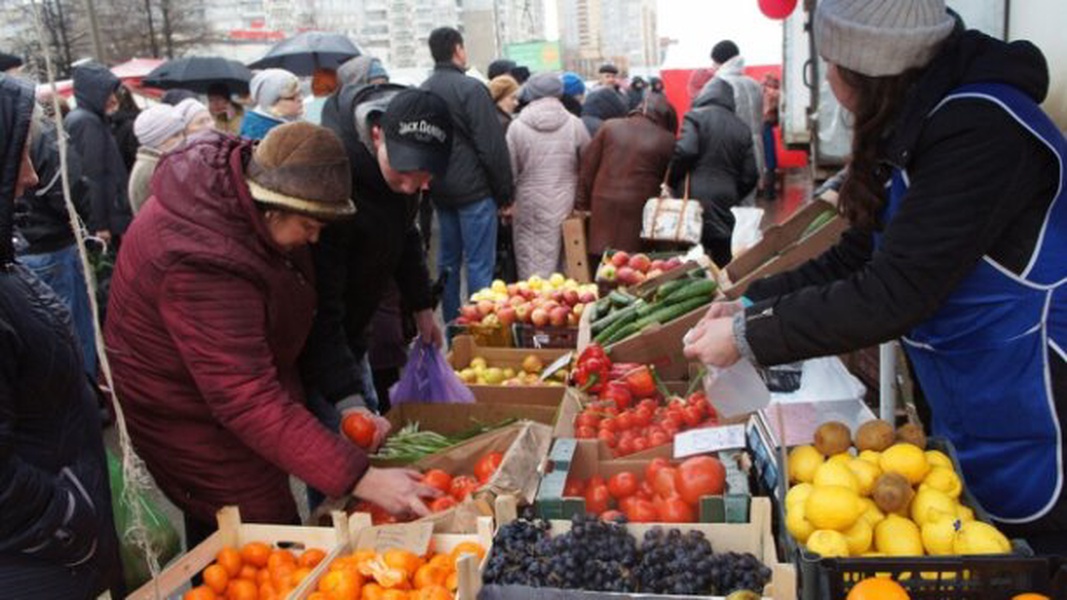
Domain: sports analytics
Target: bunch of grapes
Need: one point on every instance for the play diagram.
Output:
(674, 563)
(731, 571)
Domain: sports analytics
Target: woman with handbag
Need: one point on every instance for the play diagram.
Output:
(715, 153)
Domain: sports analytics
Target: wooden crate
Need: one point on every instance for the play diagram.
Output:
(465, 348)
(574, 249)
(232, 532)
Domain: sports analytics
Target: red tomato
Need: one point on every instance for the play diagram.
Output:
(643, 417)
(594, 481)
(649, 404)
(663, 482)
(645, 491)
(610, 424)
(359, 428)
(693, 416)
(658, 438)
(625, 420)
(436, 478)
(574, 487)
(626, 504)
(642, 511)
(612, 516)
(588, 419)
(618, 393)
(623, 485)
(671, 429)
(641, 443)
(487, 465)
(442, 503)
(597, 499)
(699, 476)
(608, 438)
(585, 433)
(625, 446)
(653, 467)
(676, 510)
(462, 486)
(675, 419)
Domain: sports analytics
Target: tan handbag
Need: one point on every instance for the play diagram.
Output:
(666, 219)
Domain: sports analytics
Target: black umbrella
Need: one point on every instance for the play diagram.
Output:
(303, 53)
(198, 73)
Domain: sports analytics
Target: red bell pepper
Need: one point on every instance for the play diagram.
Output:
(591, 369)
(619, 393)
(644, 383)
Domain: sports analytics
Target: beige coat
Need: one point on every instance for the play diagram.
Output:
(141, 176)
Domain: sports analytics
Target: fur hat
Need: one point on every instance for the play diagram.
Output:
(156, 124)
(501, 86)
(878, 38)
(302, 168)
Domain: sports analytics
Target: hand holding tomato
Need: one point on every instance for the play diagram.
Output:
(364, 428)
(396, 490)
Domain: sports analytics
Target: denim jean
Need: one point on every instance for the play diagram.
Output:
(62, 271)
(468, 235)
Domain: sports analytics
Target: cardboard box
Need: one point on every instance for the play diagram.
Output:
(417, 537)
(232, 532)
(574, 249)
(464, 349)
(782, 248)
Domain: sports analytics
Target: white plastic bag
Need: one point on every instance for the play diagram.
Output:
(746, 230)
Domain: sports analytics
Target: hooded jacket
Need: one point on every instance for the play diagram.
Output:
(980, 185)
(748, 101)
(206, 320)
(599, 106)
(356, 259)
(57, 538)
(103, 169)
(479, 167)
(545, 143)
(623, 166)
(141, 177)
(41, 213)
(715, 150)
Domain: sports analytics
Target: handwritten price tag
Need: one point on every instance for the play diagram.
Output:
(709, 439)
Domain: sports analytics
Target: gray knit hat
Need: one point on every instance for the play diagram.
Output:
(189, 109)
(269, 85)
(157, 124)
(878, 38)
(544, 85)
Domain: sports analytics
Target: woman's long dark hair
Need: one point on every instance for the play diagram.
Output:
(878, 103)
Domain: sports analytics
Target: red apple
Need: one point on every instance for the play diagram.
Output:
(513, 289)
(570, 297)
(522, 313)
(539, 317)
(507, 315)
(658, 264)
(627, 276)
(620, 259)
(639, 276)
(640, 262)
(653, 273)
(470, 312)
(572, 320)
(607, 273)
(516, 300)
(461, 320)
(558, 316)
(673, 263)
(485, 307)
(556, 296)
(527, 293)
(490, 320)
(587, 297)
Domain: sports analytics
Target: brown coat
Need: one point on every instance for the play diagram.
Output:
(623, 167)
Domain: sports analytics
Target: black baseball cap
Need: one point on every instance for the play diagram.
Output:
(418, 132)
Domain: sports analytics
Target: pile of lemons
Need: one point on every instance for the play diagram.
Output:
(882, 497)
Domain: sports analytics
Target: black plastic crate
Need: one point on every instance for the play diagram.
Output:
(530, 336)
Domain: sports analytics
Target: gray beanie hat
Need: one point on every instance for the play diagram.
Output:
(269, 85)
(879, 38)
(157, 124)
(544, 85)
(189, 108)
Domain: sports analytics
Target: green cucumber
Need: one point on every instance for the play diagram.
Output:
(672, 312)
(629, 317)
(605, 322)
(695, 289)
(621, 334)
(668, 288)
(621, 299)
(818, 222)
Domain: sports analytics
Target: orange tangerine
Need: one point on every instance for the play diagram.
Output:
(256, 554)
(311, 558)
(372, 591)
(280, 557)
(230, 559)
(216, 578)
(202, 592)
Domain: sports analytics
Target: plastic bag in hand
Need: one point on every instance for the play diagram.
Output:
(429, 378)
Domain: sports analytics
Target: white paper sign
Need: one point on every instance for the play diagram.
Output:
(709, 439)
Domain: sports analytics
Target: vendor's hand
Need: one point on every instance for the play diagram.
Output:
(722, 309)
(712, 343)
(381, 425)
(428, 328)
(398, 491)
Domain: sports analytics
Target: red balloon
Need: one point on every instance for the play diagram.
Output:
(777, 9)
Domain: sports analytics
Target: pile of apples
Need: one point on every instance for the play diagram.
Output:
(623, 268)
(480, 372)
(555, 301)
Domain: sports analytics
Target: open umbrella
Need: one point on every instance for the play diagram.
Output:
(198, 73)
(303, 53)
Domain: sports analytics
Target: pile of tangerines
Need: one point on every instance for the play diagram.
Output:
(394, 575)
(256, 571)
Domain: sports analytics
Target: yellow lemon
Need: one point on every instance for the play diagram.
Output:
(802, 463)
(840, 458)
(871, 456)
(833, 507)
(797, 524)
(897, 536)
(836, 473)
(976, 537)
(938, 535)
(906, 459)
(859, 537)
(797, 494)
(943, 479)
(937, 458)
(928, 503)
(871, 513)
(964, 513)
(866, 474)
(828, 543)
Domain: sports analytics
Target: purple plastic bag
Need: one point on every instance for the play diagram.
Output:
(429, 378)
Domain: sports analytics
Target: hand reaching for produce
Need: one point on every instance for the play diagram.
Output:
(712, 343)
(719, 310)
(364, 428)
(428, 328)
(398, 491)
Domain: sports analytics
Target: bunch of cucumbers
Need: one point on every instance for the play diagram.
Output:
(621, 314)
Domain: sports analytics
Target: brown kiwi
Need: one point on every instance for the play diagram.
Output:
(912, 434)
(892, 492)
(875, 434)
(832, 437)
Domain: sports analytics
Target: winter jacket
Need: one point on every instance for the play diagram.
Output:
(600, 105)
(141, 177)
(622, 168)
(505, 122)
(356, 259)
(103, 169)
(57, 538)
(715, 150)
(545, 143)
(256, 124)
(980, 190)
(479, 167)
(122, 129)
(748, 101)
(41, 213)
(206, 320)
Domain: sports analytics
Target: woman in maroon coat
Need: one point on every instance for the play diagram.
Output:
(211, 304)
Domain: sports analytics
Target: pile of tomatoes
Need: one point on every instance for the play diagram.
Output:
(256, 571)
(663, 493)
(454, 488)
(629, 429)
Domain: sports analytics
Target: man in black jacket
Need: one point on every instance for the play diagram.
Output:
(103, 169)
(478, 179)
